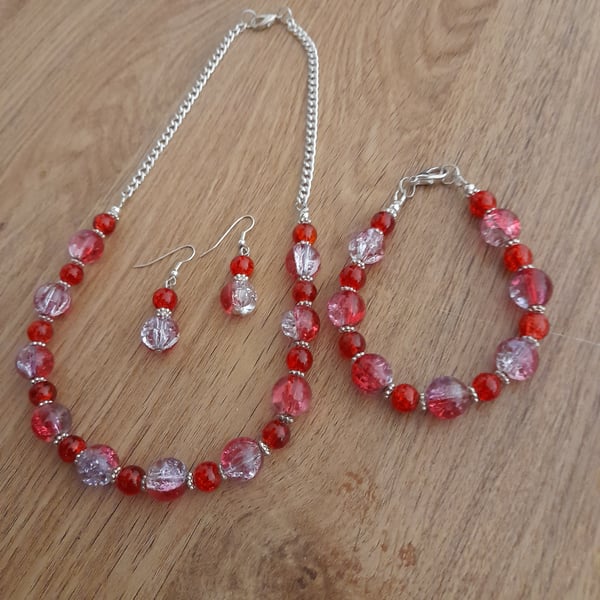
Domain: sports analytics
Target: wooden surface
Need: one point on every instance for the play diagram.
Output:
(364, 503)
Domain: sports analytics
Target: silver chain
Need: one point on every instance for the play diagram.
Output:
(257, 22)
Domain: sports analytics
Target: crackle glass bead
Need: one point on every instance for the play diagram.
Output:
(371, 373)
(96, 464)
(238, 297)
(303, 260)
(346, 308)
(517, 358)
(86, 245)
(166, 479)
(34, 361)
(301, 323)
(241, 459)
(291, 395)
(129, 480)
(50, 420)
(530, 287)
(206, 476)
(42, 391)
(534, 325)
(52, 300)
(159, 333)
(367, 246)
(69, 447)
(447, 397)
(498, 226)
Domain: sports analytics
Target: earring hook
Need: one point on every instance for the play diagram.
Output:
(244, 249)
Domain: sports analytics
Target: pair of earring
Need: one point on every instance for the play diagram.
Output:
(238, 297)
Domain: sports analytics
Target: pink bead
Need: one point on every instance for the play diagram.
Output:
(301, 323)
(530, 287)
(52, 300)
(292, 395)
(346, 308)
(498, 226)
(86, 245)
(34, 361)
(238, 297)
(447, 398)
(50, 420)
(517, 358)
(371, 373)
(166, 479)
(96, 465)
(159, 333)
(303, 260)
(367, 246)
(241, 459)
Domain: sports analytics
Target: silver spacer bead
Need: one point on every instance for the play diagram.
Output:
(531, 339)
(221, 473)
(115, 473)
(60, 437)
(503, 377)
(357, 356)
(143, 483)
(388, 390)
(163, 312)
(115, 211)
(347, 329)
(537, 308)
(306, 278)
(392, 211)
(422, 402)
(525, 267)
(37, 380)
(190, 481)
(297, 373)
(45, 318)
(287, 419)
(512, 242)
(470, 189)
(264, 448)
(347, 288)
(77, 262)
(240, 277)
(304, 243)
(302, 344)
(42, 344)
(473, 394)
(99, 233)
(304, 218)
(63, 284)
(45, 402)
(304, 303)
(359, 263)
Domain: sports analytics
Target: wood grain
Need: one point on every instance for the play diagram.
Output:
(364, 503)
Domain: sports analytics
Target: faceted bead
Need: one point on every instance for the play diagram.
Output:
(86, 245)
(303, 260)
(129, 480)
(480, 202)
(34, 361)
(498, 226)
(384, 221)
(353, 276)
(301, 323)
(71, 274)
(351, 343)
(447, 398)
(304, 232)
(238, 297)
(517, 256)
(50, 420)
(166, 479)
(367, 246)
(346, 308)
(534, 325)
(105, 223)
(517, 358)
(299, 359)
(52, 300)
(487, 385)
(40, 331)
(371, 373)
(42, 391)
(206, 476)
(276, 434)
(241, 459)
(159, 333)
(96, 464)
(404, 398)
(242, 265)
(530, 287)
(291, 395)
(164, 298)
(69, 447)
(304, 291)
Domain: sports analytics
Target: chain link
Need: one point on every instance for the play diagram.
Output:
(253, 21)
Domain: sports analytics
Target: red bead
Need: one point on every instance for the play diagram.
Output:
(353, 276)
(42, 391)
(39, 331)
(304, 291)
(488, 386)
(70, 447)
(206, 476)
(165, 298)
(481, 202)
(105, 223)
(242, 265)
(305, 232)
(71, 274)
(351, 343)
(534, 325)
(129, 480)
(517, 256)
(299, 359)
(384, 221)
(371, 373)
(404, 398)
(276, 434)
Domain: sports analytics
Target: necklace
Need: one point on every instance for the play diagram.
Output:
(241, 458)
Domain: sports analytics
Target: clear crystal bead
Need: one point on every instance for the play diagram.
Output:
(367, 246)
(160, 333)
(52, 300)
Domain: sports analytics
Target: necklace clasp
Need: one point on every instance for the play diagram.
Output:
(258, 22)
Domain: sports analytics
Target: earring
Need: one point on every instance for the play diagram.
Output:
(529, 288)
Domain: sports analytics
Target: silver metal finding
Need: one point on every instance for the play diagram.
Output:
(172, 279)
(256, 22)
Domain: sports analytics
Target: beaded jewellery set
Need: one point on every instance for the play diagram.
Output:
(242, 457)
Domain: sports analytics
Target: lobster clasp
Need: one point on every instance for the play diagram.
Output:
(430, 176)
(258, 22)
